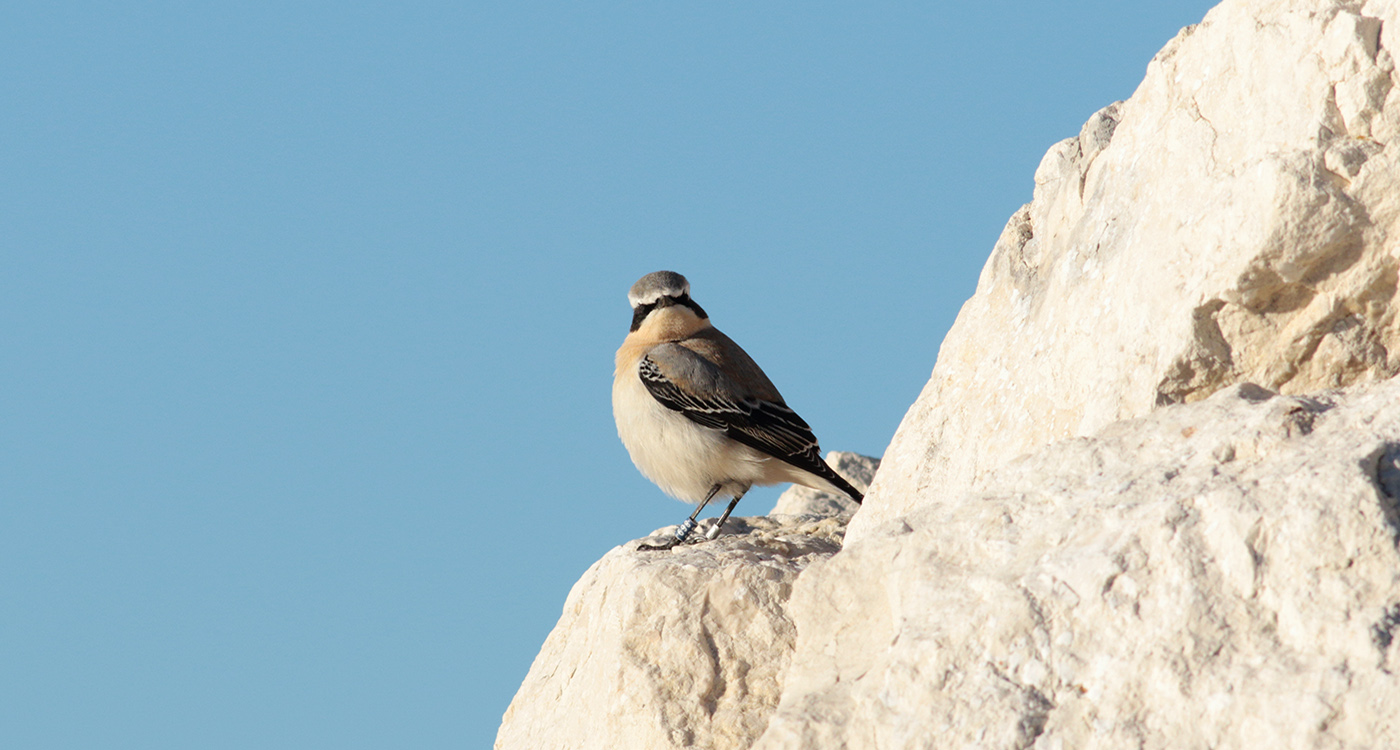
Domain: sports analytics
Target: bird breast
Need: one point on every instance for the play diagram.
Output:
(683, 458)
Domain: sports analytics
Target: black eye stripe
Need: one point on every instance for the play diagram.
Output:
(688, 302)
(640, 312)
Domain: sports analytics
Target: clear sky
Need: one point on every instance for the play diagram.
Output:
(308, 310)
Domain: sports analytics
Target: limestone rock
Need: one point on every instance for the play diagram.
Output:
(805, 501)
(1236, 220)
(1218, 574)
(1091, 530)
(676, 649)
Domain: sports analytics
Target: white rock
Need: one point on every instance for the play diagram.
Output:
(1217, 574)
(1236, 220)
(674, 649)
(684, 648)
(1216, 567)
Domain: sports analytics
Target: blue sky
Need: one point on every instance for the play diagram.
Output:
(308, 313)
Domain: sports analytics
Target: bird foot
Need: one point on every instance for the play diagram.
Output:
(673, 542)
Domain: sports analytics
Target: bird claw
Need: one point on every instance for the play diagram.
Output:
(673, 541)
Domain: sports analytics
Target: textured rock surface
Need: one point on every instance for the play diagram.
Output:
(675, 649)
(1236, 220)
(1217, 574)
(1216, 567)
(680, 649)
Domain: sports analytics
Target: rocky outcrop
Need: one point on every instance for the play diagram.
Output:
(685, 648)
(1148, 497)
(1236, 220)
(1219, 574)
(1214, 574)
(675, 649)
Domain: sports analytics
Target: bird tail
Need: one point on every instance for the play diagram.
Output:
(825, 472)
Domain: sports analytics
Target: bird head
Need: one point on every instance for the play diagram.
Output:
(663, 294)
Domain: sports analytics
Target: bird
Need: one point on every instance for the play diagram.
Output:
(698, 416)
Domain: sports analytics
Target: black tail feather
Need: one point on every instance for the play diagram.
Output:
(845, 486)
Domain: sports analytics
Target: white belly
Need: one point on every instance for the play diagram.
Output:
(683, 458)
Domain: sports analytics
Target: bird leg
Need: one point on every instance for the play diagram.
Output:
(684, 530)
(714, 530)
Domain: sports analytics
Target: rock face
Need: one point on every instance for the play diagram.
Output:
(1219, 574)
(1092, 530)
(675, 649)
(680, 649)
(1237, 220)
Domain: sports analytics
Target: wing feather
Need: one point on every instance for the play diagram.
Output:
(764, 425)
(682, 380)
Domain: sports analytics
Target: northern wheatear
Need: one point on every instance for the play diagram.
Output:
(697, 414)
